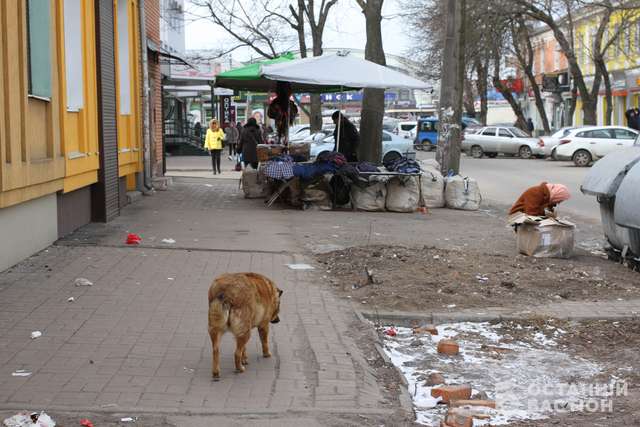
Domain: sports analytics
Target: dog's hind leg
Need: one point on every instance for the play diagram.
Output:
(264, 339)
(215, 344)
(241, 344)
(245, 359)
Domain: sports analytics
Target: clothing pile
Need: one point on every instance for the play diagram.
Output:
(633, 118)
(280, 167)
(403, 165)
(338, 159)
(309, 171)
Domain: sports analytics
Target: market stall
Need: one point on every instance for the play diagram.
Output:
(329, 174)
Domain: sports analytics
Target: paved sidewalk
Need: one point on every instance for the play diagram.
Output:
(136, 341)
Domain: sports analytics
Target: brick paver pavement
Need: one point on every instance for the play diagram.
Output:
(136, 340)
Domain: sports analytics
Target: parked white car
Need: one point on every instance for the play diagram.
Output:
(392, 146)
(586, 144)
(406, 129)
(492, 140)
(548, 143)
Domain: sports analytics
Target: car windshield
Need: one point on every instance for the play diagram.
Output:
(518, 132)
(562, 132)
(407, 126)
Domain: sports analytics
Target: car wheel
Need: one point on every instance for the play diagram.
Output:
(390, 157)
(525, 152)
(492, 155)
(582, 158)
(553, 154)
(476, 152)
(426, 145)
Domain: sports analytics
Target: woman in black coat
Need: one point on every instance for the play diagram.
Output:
(248, 145)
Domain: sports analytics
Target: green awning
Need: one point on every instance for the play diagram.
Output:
(248, 77)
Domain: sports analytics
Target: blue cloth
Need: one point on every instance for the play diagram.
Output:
(278, 169)
(403, 165)
(308, 171)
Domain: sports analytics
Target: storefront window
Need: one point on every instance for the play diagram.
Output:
(124, 66)
(73, 54)
(39, 47)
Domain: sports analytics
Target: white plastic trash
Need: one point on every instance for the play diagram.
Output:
(36, 334)
(81, 281)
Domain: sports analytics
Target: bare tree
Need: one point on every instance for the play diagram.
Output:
(373, 99)
(560, 16)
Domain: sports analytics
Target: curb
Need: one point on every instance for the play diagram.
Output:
(410, 318)
(406, 403)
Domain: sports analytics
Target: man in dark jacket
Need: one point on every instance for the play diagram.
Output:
(248, 145)
(349, 137)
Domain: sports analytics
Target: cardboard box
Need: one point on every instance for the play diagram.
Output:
(541, 236)
(268, 151)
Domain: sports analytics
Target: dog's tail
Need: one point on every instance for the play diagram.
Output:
(219, 310)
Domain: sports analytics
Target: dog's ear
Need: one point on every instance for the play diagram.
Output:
(280, 292)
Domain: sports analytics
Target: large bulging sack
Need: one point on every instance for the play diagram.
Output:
(403, 194)
(462, 193)
(254, 185)
(371, 198)
(432, 188)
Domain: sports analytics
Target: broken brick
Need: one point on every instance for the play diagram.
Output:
(448, 347)
(455, 420)
(429, 329)
(434, 378)
(465, 402)
(452, 392)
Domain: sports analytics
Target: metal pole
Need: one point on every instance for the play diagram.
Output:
(146, 122)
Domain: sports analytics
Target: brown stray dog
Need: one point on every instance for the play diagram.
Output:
(239, 302)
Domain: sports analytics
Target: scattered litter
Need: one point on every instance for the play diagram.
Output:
(21, 373)
(392, 332)
(128, 419)
(71, 299)
(189, 370)
(451, 306)
(81, 281)
(171, 278)
(109, 405)
(168, 241)
(86, 423)
(36, 334)
(133, 239)
(208, 185)
(436, 257)
(25, 419)
(481, 278)
(300, 266)
(334, 235)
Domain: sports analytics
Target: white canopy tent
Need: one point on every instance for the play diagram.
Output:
(340, 70)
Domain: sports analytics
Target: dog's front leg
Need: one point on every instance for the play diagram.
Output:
(215, 344)
(241, 343)
(264, 339)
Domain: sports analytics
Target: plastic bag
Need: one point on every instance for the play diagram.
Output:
(403, 194)
(462, 193)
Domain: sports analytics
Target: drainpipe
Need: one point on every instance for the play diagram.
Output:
(146, 132)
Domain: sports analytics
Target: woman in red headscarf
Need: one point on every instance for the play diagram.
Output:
(541, 200)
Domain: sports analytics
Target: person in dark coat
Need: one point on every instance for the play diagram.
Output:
(530, 126)
(538, 200)
(248, 145)
(349, 137)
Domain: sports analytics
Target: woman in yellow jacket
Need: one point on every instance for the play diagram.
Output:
(213, 143)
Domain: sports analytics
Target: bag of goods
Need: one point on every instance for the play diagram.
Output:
(300, 151)
(254, 185)
(268, 151)
(369, 197)
(403, 194)
(432, 188)
(462, 193)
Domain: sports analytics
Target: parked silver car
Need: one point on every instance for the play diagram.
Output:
(492, 140)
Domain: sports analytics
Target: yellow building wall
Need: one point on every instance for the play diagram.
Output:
(129, 127)
(80, 128)
(31, 158)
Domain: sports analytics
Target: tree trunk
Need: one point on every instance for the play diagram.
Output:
(315, 121)
(481, 84)
(590, 111)
(521, 122)
(602, 66)
(538, 100)
(373, 99)
(469, 98)
(451, 88)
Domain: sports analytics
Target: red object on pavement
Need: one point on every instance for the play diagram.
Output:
(133, 239)
(391, 332)
(86, 423)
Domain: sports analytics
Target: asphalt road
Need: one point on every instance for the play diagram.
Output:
(503, 179)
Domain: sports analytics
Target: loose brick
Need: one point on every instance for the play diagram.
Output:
(434, 378)
(452, 392)
(428, 329)
(455, 420)
(465, 402)
(448, 347)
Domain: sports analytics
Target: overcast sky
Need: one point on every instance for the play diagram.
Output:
(345, 29)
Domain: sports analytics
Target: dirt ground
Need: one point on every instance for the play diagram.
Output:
(614, 346)
(413, 279)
